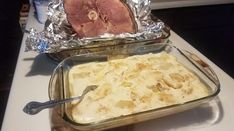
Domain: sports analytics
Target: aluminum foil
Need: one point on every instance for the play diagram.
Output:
(58, 34)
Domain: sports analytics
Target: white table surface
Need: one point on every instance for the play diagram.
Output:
(32, 76)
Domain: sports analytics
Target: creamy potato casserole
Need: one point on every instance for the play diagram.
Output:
(130, 85)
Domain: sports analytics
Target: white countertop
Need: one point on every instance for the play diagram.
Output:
(163, 4)
(32, 76)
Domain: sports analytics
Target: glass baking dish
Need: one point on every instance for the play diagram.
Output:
(99, 44)
(58, 86)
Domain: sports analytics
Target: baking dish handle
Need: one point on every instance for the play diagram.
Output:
(201, 65)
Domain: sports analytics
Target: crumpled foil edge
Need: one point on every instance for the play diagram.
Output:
(58, 35)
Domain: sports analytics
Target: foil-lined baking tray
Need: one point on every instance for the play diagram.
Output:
(58, 88)
(59, 40)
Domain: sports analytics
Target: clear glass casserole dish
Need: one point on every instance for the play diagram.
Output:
(58, 86)
(100, 45)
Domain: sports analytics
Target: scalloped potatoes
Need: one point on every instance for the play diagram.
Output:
(130, 85)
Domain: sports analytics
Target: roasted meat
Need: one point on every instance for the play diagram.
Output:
(90, 18)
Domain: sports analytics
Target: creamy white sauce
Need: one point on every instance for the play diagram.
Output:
(131, 85)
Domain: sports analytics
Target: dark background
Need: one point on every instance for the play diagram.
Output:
(10, 40)
(210, 29)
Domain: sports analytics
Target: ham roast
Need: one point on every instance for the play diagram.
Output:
(90, 18)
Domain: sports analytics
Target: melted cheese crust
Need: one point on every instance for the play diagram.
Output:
(131, 85)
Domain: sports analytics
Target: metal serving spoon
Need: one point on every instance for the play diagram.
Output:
(34, 107)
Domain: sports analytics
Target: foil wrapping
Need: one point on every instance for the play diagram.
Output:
(58, 34)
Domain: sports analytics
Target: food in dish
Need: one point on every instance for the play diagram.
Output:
(131, 85)
(90, 18)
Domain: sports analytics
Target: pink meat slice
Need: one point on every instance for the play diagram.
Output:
(91, 18)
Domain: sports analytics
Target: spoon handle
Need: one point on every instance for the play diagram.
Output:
(52, 103)
(34, 107)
